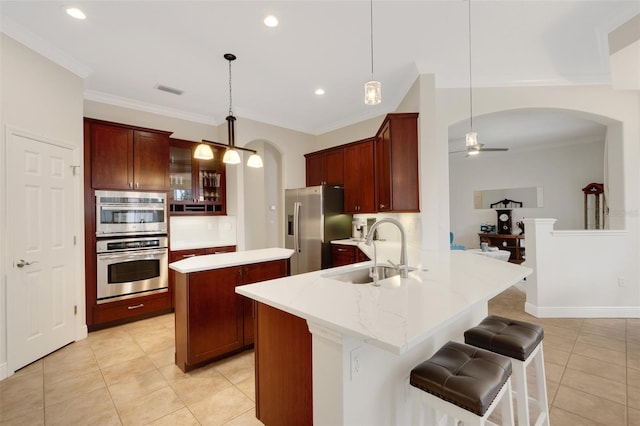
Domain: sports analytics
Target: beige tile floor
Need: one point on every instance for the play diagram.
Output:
(125, 375)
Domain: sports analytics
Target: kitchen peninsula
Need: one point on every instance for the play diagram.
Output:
(361, 341)
(211, 319)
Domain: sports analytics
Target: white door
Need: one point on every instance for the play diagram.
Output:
(40, 219)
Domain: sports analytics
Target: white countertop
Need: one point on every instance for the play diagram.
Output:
(401, 313)
(223, 260)
(496, 254)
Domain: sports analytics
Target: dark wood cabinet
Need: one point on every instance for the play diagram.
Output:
(176, 255)
(121, 311)
(127, 158)
(197, 186)
(208, 314)
(120, 157)
(511, 243)
(254, 273)
(284, 386)
(325, 167)
(379, 174)
(396, 156)
(345, 254)
(211, 319)
(359, 191)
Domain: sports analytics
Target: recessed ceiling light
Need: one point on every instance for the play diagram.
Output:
(76, 13)
(271, 21)
(319, 91)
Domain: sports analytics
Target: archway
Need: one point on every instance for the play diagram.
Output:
(558, 150)
(263, 192)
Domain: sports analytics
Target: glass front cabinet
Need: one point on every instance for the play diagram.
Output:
(197, 186)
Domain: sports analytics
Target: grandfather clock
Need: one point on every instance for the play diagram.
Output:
(504, 221)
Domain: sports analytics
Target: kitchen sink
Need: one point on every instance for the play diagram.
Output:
(362, 274)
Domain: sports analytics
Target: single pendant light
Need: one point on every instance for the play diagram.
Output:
(372, 88)
(471, 137)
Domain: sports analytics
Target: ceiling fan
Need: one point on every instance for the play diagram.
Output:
(477, 149)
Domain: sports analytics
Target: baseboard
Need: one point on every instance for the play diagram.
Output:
(3, 371)
(582, 311)
(82, 332)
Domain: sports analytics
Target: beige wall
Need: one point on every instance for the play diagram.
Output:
(43, 99)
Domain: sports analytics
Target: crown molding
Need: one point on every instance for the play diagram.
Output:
(43, 47)
(106, 98)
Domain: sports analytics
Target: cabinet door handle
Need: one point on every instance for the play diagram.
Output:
(130, 184)
(188, 255)
(382, 206)
(141, 305)
(137, 184)
(341, 249)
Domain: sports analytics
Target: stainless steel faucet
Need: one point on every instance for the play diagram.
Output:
(404, 272)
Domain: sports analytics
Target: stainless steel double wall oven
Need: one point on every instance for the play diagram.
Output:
(132, 244)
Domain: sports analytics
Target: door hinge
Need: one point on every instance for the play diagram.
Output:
(73, 169)
(74, 240)
(75, 309)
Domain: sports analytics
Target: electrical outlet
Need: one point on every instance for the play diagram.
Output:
(356, 362)
(621, 282)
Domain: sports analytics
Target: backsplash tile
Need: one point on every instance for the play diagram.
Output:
(189, 232)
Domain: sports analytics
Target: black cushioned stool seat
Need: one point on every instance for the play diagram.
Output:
(512, 338)
(463, 375)
(522, 342)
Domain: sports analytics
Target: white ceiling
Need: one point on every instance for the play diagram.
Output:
(126, 48)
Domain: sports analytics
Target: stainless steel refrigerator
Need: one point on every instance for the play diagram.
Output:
(313, 219)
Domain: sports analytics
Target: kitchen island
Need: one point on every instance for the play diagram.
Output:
(212, 321)
(364, 340)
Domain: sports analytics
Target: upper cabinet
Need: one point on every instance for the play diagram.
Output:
(128, 158)
(197, 186)
(125, 157)
(396, 153)
(359, 192)
(325, 167)
(379, 174)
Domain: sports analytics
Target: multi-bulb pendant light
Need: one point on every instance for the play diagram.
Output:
(231, 155)
(471, 137)
(372, 88)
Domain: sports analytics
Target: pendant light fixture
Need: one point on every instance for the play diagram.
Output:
(231, 154)
(471, 137)
(372, 88)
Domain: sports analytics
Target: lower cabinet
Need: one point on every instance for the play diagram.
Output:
(284, 388)
(345, 254)
(175, 255)
(121, 311)
(211, 319)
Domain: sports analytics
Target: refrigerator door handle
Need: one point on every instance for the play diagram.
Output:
(296, 226)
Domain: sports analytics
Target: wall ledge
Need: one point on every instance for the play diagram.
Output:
(589, 233)
(582, 311)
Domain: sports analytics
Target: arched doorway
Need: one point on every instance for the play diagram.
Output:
(557, 150)
(263, 193)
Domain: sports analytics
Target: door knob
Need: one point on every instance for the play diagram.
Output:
(22, 263)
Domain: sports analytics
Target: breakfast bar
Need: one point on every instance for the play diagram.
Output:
(365, 339)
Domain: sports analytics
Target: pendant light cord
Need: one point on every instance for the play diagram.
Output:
(371, 30)
(470, 84)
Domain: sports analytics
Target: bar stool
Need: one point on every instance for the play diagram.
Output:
(463, 382)
(522, 342)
